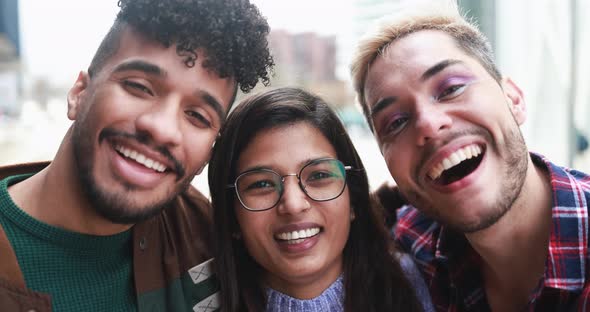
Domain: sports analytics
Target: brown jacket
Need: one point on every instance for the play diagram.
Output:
(165, 249)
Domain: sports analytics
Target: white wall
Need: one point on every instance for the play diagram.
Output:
(534, 48)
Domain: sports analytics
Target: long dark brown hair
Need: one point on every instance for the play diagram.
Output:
(373, 278)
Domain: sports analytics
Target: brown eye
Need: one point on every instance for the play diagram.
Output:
(198, 119)
(138, 86)
(451, 91)
(395, 125)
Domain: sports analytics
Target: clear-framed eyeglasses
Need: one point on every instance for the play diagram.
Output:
(320, 179)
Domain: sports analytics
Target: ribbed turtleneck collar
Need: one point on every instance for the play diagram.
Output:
(331, 300)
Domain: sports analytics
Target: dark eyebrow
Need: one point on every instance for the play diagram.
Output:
(151, 69)
(256, 168)
(142, 66)
(213, 103)
(382, 104)
(301, 165)
(437, 68)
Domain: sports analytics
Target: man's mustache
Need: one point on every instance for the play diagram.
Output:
(144, 139)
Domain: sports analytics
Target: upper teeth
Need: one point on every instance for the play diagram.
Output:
(454, 159)
(140, 158)
(298, 234)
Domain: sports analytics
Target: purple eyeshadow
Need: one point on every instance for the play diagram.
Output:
(454, 80)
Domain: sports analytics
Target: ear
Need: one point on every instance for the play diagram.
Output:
(209, 154)
(515, 100)
(76, 93)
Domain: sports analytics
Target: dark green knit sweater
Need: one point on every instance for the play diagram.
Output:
(80, 272)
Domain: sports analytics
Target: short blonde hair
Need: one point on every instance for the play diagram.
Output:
(442, 15)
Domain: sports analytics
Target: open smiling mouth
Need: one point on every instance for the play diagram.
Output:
(296, 237)
(140, 159)
(457, 165)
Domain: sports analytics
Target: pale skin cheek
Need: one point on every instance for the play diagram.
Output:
(385, 149)
(400, 171)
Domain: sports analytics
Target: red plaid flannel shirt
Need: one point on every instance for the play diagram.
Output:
(451, 267)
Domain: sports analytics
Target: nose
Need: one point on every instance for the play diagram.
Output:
(162, 122)
(431, 120)
(294, 200)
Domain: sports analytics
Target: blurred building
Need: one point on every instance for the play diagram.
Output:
(304, 57)
(9, 59)
(308, 60)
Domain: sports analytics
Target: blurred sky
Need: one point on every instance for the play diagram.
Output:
(59, 37)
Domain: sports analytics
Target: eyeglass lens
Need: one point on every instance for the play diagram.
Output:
(321, 180)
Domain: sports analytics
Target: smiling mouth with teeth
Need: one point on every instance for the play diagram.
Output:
(140, 158)
(296, 237)
(457, 165)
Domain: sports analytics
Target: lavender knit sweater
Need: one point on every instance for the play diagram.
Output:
(332, 299)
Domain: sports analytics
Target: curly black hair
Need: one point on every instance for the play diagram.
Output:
(232, 32)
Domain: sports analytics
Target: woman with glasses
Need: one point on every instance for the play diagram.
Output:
(296, 228)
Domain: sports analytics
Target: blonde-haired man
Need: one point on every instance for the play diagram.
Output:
(492, 226)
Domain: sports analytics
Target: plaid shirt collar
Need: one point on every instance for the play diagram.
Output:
(436, 246)
(568, 246)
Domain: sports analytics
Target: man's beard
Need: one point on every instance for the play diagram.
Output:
(512, 181)
(115, 207)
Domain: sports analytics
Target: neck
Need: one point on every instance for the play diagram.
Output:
(524, 230)
(54, 196)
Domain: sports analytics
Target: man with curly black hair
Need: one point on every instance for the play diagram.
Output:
(112, 224)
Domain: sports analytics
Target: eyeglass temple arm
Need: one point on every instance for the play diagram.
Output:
(353, 169)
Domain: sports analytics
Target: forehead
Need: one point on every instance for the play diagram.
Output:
(407, 58)
(423, 46)
(288, 145)
(134, 46)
